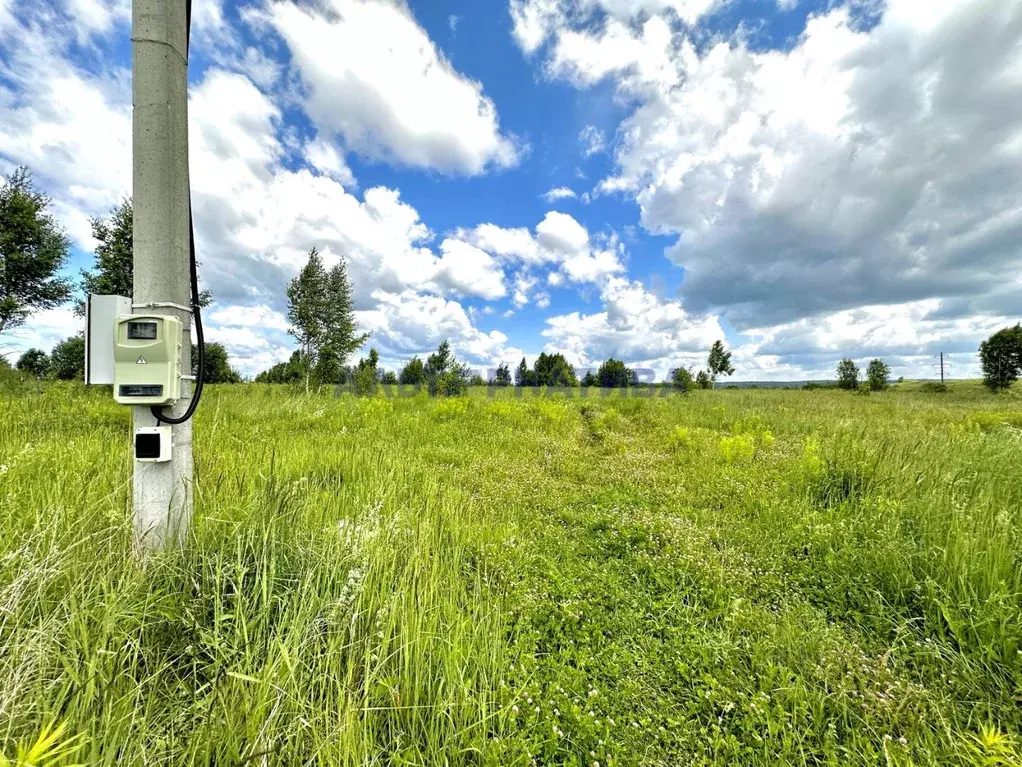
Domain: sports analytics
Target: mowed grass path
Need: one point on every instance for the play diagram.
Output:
(731, 577)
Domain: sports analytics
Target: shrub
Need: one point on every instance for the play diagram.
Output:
(737, 448)
(449, 409)
(34, 362)
(453, 383)
(364, 381)
(68, 359)
(682, 380)
(680, 438)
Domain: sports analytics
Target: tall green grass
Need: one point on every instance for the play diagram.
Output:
(731, 577)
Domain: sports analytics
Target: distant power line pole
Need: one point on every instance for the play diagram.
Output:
(944, 364)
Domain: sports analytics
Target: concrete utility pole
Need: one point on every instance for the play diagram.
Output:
(162, 491)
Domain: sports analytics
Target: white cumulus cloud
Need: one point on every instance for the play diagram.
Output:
(559, 193)
(374, 78)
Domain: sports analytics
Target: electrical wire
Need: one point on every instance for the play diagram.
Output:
(194, 273)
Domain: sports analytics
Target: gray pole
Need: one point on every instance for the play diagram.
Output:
(162, 491)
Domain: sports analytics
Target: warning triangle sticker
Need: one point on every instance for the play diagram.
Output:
(141, 360)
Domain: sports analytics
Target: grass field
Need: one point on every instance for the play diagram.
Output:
(732, 577)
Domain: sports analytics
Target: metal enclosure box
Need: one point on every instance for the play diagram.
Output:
(100, 314)
(147, 351)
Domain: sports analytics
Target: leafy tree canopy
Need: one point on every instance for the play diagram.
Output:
(878, 375)
(554, 370)
(719, 361)
(321, 314)
(290, 372)
(682, 380)
(33, 248)
(217, 368)
(524, 376)
(445, 376)
(67, 360)
(502, 376)
(114, 262)
(413, 374)
(34, 362)
(1001, 358)
(613, 374)
(847, 374)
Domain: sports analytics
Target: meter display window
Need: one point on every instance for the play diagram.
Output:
(141, 390)
(142, 331)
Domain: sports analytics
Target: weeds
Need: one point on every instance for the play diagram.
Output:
(728, 578)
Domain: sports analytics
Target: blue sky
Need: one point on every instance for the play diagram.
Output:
(628, 178)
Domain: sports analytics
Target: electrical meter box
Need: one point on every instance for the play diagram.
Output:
(147, 354)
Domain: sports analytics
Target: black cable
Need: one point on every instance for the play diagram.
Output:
(157, 411)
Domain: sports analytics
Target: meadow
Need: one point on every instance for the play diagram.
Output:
(744, 577)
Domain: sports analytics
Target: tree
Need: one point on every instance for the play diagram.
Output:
(719, 361)
(413, 374)
(878, 375)
(288, 372)
(614, 375)
(1000, 358)
(366, 374)
(33, 248)
(341, 329)
(372, 362)
(847, 375)
(681, 379)
(306, 310)
(502, 376)
(115, 256)
(328, 369)
(440, 361)
(389, 378)
(524, 376)
(34, 362)
(67, 360)
(446, 376)
(703, 380)
(554, 370)
(322, 316)
(590, 379)
(114, 262)
(216, 367)
(476, 380)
